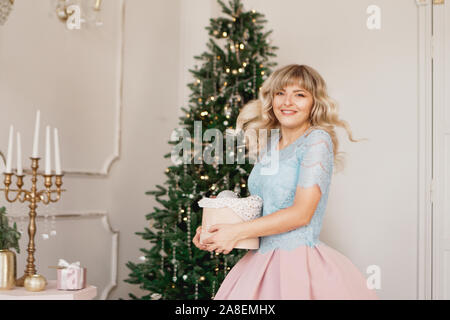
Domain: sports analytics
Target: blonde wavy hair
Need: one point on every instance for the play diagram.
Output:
(258, 114)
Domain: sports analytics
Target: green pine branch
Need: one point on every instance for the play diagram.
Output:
(9, 236)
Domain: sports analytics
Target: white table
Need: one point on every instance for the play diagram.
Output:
(49, 293)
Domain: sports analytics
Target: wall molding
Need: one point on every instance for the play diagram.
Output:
(115, 155)
(112, 158)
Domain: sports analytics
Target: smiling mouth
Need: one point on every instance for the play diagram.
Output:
(288, 112)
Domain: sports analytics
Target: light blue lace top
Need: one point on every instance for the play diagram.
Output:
(305, 162)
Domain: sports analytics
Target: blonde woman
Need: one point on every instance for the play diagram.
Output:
(291, 263)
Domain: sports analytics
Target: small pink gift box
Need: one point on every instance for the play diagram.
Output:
(70, 276)
(227, 207)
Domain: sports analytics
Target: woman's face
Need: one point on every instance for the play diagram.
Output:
(292, 106)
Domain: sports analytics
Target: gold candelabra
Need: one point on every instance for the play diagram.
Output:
(33, 196)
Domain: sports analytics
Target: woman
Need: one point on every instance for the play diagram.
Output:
(291, 263)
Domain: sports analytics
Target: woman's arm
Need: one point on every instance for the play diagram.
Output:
(284, 220)
(225, 236)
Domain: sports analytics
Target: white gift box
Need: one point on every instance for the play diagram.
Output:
(227, 207)
(70, 276)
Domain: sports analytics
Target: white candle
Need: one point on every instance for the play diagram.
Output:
(48, 161)
(19, 155)
(10, 147)
(57, 153)
(36, 135)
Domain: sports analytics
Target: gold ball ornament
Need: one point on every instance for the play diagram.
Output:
(35, 283)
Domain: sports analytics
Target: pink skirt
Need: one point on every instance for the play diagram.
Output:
(305, 273)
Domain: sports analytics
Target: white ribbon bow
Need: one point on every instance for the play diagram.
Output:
(64, 263)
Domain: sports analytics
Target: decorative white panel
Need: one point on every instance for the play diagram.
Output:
(73, 76)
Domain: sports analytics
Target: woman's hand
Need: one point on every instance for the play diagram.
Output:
(224, 238)
(196, 239)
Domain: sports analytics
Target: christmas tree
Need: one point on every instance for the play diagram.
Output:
(231, 74)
